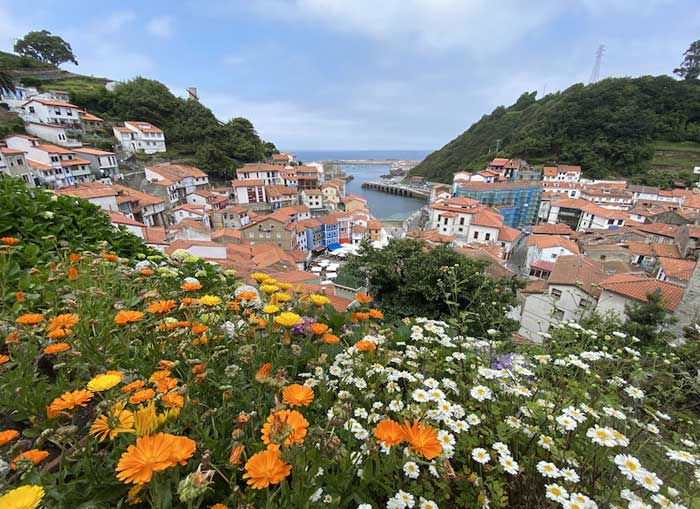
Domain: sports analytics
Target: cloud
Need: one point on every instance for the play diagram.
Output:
(161, 26)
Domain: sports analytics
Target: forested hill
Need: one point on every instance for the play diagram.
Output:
(610, 128)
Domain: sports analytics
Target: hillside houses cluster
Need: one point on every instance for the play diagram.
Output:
(582, 245)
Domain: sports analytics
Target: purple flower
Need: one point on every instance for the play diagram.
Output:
(503, 361)
(302, 328)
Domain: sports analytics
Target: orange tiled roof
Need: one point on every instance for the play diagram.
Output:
(552, 229)
(118, 218)
(639, 287)
(547, 241)
(125, 194)
(579, 271)
(50, 102)
(87, 190)
(508, 234)
(677, 269)
(649, 249)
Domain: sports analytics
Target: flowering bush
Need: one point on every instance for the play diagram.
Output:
(173, 384)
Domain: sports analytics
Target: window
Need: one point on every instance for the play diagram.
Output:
(69, 113)
(611, 221)
(31, 109)
(461, 221)
(558, 314)
(488, 236)
(555, 293)
(57, 111)
(476, 235)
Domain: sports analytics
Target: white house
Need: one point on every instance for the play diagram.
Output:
(270, 174)
(570, 293)
(50, 111)
(96, 193)
(249, 191)
(53, 133)
(148, 209)
(561, 173)
(103, 163)
(138, 136)
(179, 180)
(581, 214)
(15, 99)
(621, 290)
(549, 247)
(312, 198)
(189, 211)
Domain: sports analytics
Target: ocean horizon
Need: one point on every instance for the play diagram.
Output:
(331, 154)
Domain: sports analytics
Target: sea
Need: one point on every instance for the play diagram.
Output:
(383, 206)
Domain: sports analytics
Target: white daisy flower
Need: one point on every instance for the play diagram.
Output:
(548, 469)
(410, 468)
(480, 455)
(480, 393)
(556, 493)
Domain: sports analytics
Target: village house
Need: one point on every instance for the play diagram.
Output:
(174, 182)
(137, 136)
(143, 207)
(90, 123)
(307, 176)
(581, 214)
(249, 192)
(17, 97)
(548, 248)
(312, 198)
(331, 195)
(51, 111)
(608, 197)
(58, 166)
(282, 159)
(270, 229)
(561, 229)
(189, 229)
(688, 241)
(569, 293)
(622, 290)
(675, 271)
(270, 174)
(227, 235)
(96, 193)
(374, 230)
(561, 173)
(53, 133)
(353, 203)
(103, 164)
(233, 216)
(13, 163)
(279, 196)
(188, 211)
(208, 199)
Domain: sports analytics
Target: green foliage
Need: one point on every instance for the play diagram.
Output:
(45, 47)
(409, 279)
(645, 320)
(10, 123)
(607, 127)
(191, 129)
(690, 67)
(47, 223)
(12, 61)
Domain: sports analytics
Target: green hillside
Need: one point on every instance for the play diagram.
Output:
(646, 129)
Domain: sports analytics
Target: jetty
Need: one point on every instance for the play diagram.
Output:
(397, 189)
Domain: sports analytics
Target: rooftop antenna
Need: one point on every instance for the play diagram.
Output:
(595, 73)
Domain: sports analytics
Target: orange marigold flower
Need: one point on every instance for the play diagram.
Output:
(166, 384)
(263, 372)
(147, 272)
(30, 319)
(330, 339)
(298, 395)
(318, 328)
(388, 432)
(127, 316)
(19, 296)
(59, 333)
(165, 364)
(161, 306)
(10, 241)
(359, 317)
(130, 387)
(191, 287)
(12, 338)
(198, 368)
(153, 453)
(141, 395)
(219, 506)
(36, 456)
(284, 426)
(72, 273)
(56, 348)
(74, 257)
(159, 375)
(110, 257)
(247, 296)
(365, 346)
(70, 400)
(198, 328)
(376, 314)
(63, 321)
(186, 301)
(422, 439)
(363, 298)
(8, 436)
(4, 358)
(173, 400)
(236, 452)
(265, 468)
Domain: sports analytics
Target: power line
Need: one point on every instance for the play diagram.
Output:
(595, 74)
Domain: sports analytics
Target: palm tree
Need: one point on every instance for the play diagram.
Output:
(6, 81)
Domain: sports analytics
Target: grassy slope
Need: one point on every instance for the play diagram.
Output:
(12, 61)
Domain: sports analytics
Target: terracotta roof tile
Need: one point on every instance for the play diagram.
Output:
(677, 269)
(548, 241)
(639, 287)
(552, 229)
(578, 271)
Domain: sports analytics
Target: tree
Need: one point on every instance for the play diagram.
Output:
(646, 320)
(690, 67)
(45, 47)
(409, 278)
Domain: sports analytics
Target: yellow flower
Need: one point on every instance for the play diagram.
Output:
(119, 420)
(319, 300)
(270, 281)
(281, 297)
(210, 300)
(145, 419)
(288, 319)
(270, 309)
(284, 286)
(103, 382)
(269, 289)
(259, 276)
(24, 497)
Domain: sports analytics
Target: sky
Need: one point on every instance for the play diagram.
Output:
(362, 74)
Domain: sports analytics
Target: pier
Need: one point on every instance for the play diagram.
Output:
(397, 189)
